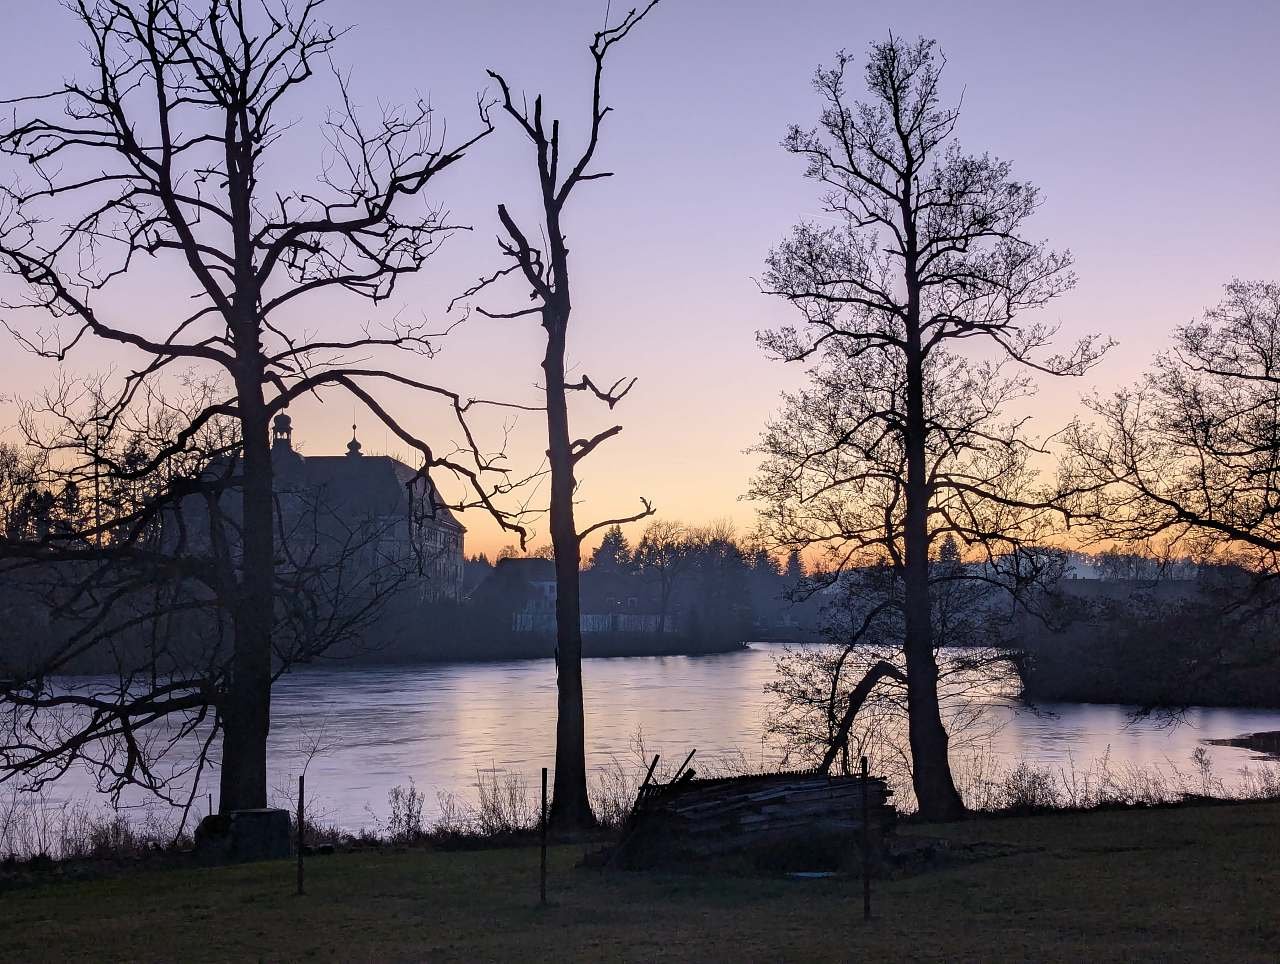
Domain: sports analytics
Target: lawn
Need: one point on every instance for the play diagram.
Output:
(1193, 883)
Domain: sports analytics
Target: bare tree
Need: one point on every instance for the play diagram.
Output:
(162, 153)
(834, 477)
(1190, 457)
(663, 553)
(108, 589)
(545, 269)
(926, 253)
(136, 586)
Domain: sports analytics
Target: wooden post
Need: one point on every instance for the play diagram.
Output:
(302, 787)
(640, 793)
(866, 847)
(629, 827)
(687, 760)
(542, 878)
(211, 804)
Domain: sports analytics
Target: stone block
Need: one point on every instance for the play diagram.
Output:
(244, 835)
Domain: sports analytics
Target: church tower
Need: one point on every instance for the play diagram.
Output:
(282, 433)
(283, 457)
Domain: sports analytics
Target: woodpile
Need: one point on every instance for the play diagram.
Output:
(691, 818)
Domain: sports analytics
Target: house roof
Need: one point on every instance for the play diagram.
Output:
(366, 484)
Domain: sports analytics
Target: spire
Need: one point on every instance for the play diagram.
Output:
(353, 447)
(282, 433)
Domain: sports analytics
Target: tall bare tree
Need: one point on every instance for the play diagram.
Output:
(544, 267)
(834, 477)
(926, 252)
(163, 151)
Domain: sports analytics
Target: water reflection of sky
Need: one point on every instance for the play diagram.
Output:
(440, 724)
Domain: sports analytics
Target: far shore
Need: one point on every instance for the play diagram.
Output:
(1267, 743)
(535, 649)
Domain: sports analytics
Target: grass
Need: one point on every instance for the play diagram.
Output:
(1186, 883)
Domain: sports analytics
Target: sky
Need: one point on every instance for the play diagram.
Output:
(1151, 129)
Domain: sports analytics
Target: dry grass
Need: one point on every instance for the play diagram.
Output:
(1173, 884)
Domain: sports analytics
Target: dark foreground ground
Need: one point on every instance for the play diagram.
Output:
(1185, 884)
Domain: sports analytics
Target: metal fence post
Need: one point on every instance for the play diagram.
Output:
(542, 879)
(866, 847)
(302, 787)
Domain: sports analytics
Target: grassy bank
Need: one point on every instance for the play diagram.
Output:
(1188, 883)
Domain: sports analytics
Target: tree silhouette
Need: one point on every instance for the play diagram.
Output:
(662, 555)
(1190, 456)
(1186, 463)
(614, 552)
(926, 253)
(164, 153)
(545, 269)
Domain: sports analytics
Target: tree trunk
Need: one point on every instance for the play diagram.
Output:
(665, 586)
(840, 740)
(570, 805)
(935, 790)
(246, 708)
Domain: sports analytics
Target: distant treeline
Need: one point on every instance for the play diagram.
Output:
(710, 591)
(678, 589)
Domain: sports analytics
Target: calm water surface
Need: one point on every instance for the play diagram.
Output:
(440, 725)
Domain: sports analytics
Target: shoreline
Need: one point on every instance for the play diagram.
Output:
(1149, 709)
(375, 660)
(1265, 743)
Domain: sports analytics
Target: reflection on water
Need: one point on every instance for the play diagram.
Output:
(440, 724)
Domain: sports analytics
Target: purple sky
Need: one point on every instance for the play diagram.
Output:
(1152, 129)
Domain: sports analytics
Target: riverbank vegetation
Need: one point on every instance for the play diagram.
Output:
(1195, 883)
(40, 834)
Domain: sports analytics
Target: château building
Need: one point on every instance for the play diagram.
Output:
(391, 514)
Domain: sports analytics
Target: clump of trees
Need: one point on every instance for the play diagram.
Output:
(1160, 643)
(702, 581)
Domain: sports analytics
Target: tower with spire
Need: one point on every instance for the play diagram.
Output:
(282, 432)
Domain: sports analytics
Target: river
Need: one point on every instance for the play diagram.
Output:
(442, 724)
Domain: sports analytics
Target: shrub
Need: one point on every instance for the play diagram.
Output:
(1030, 788)
(405, 823)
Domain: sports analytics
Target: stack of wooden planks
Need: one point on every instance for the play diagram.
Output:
(692, 818)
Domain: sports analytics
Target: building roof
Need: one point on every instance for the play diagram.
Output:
(357, 483)
(370, 484)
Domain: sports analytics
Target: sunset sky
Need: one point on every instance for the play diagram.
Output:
(1151, 128)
